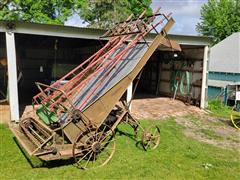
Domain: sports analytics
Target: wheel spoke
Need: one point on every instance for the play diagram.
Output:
(108, 142)
(84, 156)
(102, 132)
(96, 135)
(148, 143)
(94, 157)
(88, 160)
(103, 156)
(154, 137)
(155, 132)
(151, 138)
(79, 152)
(153, 142)
(99, 156)
(107, 135)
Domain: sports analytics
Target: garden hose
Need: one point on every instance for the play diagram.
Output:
(181, 80)
(235, 115)
(185, 83)
(174, 80)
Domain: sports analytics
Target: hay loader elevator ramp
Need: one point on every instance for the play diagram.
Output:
(77, 115)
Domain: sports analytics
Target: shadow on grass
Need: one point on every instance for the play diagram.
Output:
(38, 163)
(132, 137)
(57, 163)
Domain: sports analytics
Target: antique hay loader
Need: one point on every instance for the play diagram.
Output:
(76, 116)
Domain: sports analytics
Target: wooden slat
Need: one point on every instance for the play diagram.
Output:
(22, 138)
(71, 131)
(171, 44)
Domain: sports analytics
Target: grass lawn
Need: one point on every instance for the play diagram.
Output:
(177, 157)
(219, 109)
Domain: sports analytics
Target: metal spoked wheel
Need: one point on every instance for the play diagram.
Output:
(235, 118)
(94, 148)
(151, 138)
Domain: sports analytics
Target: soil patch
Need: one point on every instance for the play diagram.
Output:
(198, 124)
(211, 130)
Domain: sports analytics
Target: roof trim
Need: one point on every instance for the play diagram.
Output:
(90, 33)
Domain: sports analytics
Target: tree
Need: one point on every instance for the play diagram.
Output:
(4, 3)
(41, 11)
(219, 19)
(97, 13)
(105, 13)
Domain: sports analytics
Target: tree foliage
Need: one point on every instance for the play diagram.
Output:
(104, 13)
(219, 19)
(41, 11)
(97, 13)
(3, 3)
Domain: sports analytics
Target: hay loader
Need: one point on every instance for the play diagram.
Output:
(78, 118)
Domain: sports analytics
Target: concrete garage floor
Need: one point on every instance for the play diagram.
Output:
(161, 108)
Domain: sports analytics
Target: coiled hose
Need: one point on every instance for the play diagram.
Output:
(183, 78)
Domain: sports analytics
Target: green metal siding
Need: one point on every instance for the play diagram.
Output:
(221, 76)
(213, 92)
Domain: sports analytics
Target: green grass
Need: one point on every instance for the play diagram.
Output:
(177, 157)
(219, 109)
(210, 134)
(195, 120)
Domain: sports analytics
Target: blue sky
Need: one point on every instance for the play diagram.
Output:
(186, 13)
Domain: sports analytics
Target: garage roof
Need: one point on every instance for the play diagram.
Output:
(87, 33)
(225, 56)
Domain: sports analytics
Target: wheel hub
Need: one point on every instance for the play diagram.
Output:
(148, 136)
(96, 146)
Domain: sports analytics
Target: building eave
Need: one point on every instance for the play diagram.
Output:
(89, 33)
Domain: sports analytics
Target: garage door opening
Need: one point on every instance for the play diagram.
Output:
(170, 75)
(3, 69)
(4, 104)
(46, 59)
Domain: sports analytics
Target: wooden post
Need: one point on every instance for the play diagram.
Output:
(129, 95)
(203, 103)
(12, 76)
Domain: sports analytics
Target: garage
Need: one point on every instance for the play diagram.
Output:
(44, 53)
